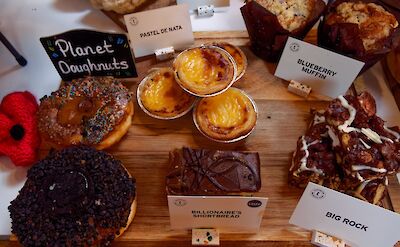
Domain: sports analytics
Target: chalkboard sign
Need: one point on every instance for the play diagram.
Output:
(78, 53)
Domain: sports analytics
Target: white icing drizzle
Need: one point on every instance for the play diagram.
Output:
(345, 126)
(333, 136)
(386, 181)
(363, 167)
(396, 135)
(387, 139)
(365, 144)
(362, 186)
(372, 135)
(303, 165)
(359, 177)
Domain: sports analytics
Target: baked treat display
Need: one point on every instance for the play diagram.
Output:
(205, 71)
(270, 22)
(95, 111)
(161, 97)
(366, 151)
(75, 197)
(119, 6)
(211, 172)
(227, 117)
(363, 30)
(237, 54)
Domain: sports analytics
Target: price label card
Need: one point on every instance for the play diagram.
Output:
(357, 222)
(324, 71)
(226, 213)
(78, 53)
(160, 28)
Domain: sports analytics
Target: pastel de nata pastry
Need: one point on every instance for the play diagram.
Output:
(212, 172)
(270, 22)
(227, 117)
(204, 71)
(237, 54)
(95, 111)
(119, 6)
(161, 97)
(75, 197)
(366, 150)
(363, 30)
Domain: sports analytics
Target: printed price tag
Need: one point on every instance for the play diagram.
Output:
(324, 71)
(78, 53)
(226, 213)
(159, 28)
(357, 222)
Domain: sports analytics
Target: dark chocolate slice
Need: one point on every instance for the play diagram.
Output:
(211, 172)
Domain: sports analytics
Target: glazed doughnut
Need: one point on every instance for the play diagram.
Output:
(94, 111)
(75, 197)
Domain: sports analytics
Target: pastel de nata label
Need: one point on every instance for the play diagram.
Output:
(160, 28)
(357, 222)
(324, 71)
(227, 213)
(78, 53)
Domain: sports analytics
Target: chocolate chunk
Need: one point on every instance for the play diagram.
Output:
(210, 172)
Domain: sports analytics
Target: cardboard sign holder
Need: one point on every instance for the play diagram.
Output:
(164, 53)
(321, 239)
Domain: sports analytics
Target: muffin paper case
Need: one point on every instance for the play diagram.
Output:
(344, 38)
(267, 36)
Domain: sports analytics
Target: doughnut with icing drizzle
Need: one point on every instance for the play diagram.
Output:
(95, 111)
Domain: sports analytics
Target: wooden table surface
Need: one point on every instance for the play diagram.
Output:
(283, 117)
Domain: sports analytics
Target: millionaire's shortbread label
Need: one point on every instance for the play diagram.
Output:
(78, 53)
(159, 28)
(357, 222)
(324, 71)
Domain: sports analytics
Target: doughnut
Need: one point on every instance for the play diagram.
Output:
(94, 111)
(78, 196)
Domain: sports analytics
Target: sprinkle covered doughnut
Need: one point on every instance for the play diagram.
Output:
(95, 111)
(75, 197)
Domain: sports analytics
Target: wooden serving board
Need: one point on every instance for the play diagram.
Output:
(283, 117)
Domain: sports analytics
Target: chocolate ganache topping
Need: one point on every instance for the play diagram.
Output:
(199, 171)
(75, 197)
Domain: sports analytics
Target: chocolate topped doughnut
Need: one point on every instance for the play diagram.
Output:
(75, 197)
(95, 111)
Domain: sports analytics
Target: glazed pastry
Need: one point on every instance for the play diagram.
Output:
(75, 197)
(119, 6)
(95, 111)
(270, 22)
(363, 30)
(209, 172)
(237, 54)
(314, 160)
(227, 117)
(204, 71)
(161, 97)
(366, 150)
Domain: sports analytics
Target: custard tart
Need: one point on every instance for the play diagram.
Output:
(227, 117)
(205, 71)
(161, 97)
(237, 54)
